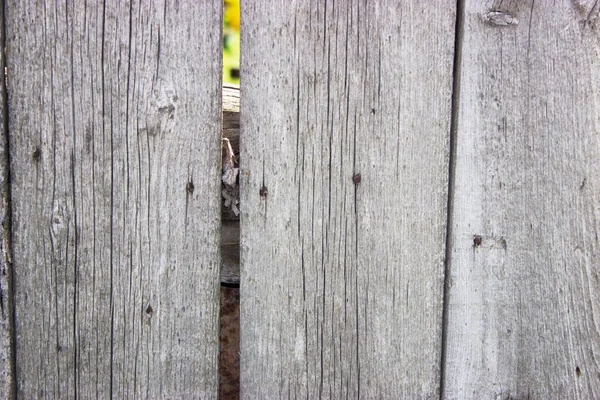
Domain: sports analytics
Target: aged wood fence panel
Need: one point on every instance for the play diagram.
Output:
(111, 240)
(345, 118)
(114, 138)
(524, 285)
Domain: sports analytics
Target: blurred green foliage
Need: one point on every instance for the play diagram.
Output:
(231, 42)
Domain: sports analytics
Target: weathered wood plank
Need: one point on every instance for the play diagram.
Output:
(345, 120)
(524, 288)
(115, 126)
(7, 373)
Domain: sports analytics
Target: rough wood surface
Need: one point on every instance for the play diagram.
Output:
(524, 284)
(345, 120)
(115, 136)
(7, 375)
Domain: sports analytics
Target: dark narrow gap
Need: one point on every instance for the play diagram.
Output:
(7, 286)
(111, 255)
(229, 342)
(456, 71)
(229, 322)
(229, 314)
(75, 299)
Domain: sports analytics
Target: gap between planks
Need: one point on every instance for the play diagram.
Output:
(230, 228)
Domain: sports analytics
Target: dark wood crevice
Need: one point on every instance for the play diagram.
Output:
(230, 229)
(229, 320)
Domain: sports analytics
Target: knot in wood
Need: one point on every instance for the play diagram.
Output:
(500, 18)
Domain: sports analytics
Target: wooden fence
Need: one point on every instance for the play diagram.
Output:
(419, 195)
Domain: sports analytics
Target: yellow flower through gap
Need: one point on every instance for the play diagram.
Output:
(231, 41)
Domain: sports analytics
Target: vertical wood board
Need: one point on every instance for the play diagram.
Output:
(115, 154)
(345, 118)
(524, 284)
(7, 378)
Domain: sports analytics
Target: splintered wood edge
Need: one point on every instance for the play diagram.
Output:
(230, 226)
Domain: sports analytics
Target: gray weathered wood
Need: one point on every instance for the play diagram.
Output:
(342, 281)
(524, 284)
(7, 375)
(115, 137)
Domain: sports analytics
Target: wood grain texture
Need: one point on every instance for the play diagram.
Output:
(524, 284)
(341, 281)
(7, 359)
(115, 143)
